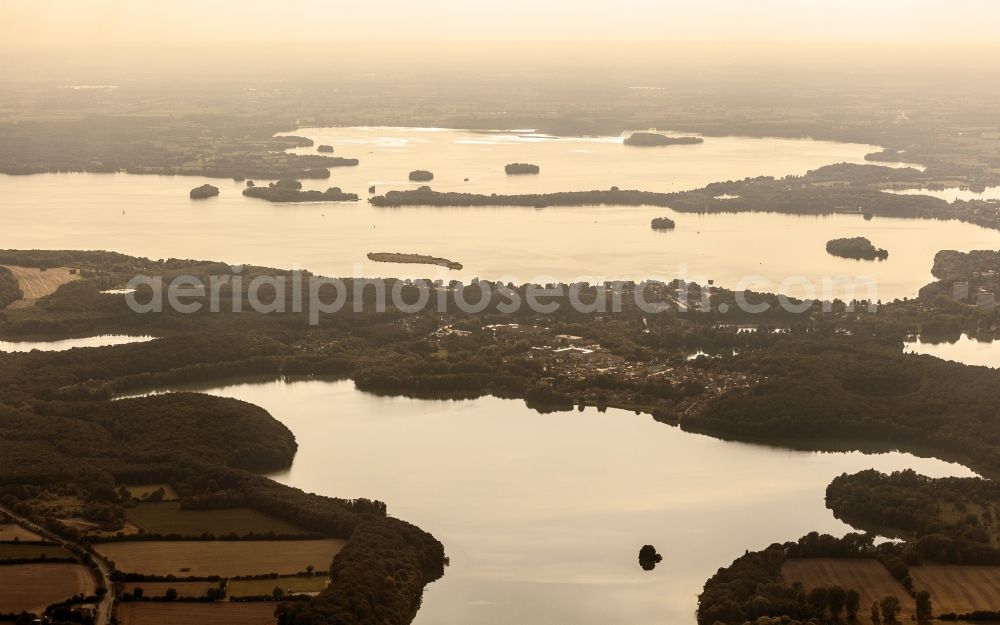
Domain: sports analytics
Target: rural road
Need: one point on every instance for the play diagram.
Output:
(103, 616)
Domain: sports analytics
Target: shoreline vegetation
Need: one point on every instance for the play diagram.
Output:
(655, 139)
(828, 190)
(827, 377)
(416, 259)
(858, 248)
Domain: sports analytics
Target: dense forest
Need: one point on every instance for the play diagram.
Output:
(946, 520)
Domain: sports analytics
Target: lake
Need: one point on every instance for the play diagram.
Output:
(62, 345)
(965, 350)
(153, 216)
(543, 515)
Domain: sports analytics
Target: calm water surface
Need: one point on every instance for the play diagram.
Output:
(543, 515)
(62, 345)
(966, 350)
(153, 216)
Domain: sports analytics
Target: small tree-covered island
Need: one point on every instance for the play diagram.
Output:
(204, 191)
(515, 169)
(859, 248)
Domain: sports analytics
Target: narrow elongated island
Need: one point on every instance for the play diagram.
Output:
(653, 139)
(415, 259)
(276, 192)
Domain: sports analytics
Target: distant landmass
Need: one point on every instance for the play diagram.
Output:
(327, 149)
(652, 139)
(662, 223)
(421, 175)
(417, 259)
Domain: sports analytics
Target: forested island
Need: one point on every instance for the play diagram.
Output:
(277, 192)
(204, 191)
(425, 196)
(654, 139)
(858, 248)
(421, 175)
(325, 149)
(515, 169)
(662, 223)
(418, 259)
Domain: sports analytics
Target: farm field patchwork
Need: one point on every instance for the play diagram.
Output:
(13, 531)
(222, 613)
(18, 551)
(869, 577)
(159, 589)
(168, 518)
(290, 585)
(222, 558)
(959, 588)
(33, 587)
(36, 283)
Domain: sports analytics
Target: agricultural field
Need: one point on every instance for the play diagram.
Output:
(33, 587)
(36, 284)
(959, 588)
(142, 491)
(13, 531)
(18, 551)
(869, 577)
(291, 585)
(223, 558)
(221, 613)
(159, 589)
(169, 518)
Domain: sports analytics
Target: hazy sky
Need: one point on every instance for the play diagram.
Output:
(102, 22)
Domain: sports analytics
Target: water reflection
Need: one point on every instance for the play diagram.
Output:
(542, 515)
(966, 350)
(61, 345)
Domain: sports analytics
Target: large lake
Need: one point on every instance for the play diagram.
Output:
(153, 216)
(543, 515)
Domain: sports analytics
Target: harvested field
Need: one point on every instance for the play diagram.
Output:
(13, 531)
(36, 283)
(869, 577)
(33, 587)
(169, 518)
(19, 551)
(220, 613)
(958, 588)
(159, 589)
(291, 586)
(223, 558)
(141, 491)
